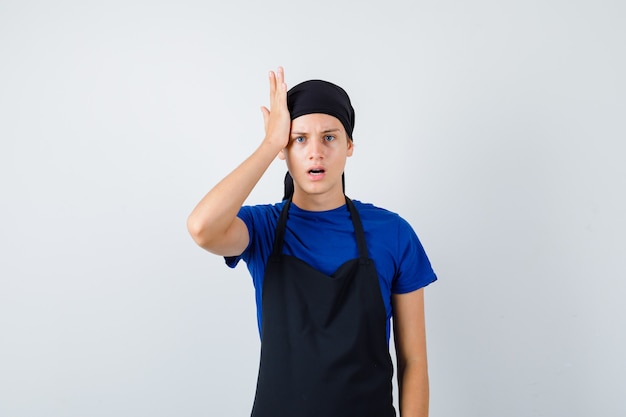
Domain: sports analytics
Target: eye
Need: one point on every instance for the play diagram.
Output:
(329, 138)
(299, 139)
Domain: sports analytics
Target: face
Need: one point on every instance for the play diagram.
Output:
(316, 157)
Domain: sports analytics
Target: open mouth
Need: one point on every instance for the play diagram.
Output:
(316, 171)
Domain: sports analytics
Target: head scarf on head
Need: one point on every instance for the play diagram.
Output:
(317, 96)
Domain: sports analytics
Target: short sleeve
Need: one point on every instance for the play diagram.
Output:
(245, 214)
(261, 223)
(414, 270)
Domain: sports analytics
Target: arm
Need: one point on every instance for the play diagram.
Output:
(213, 223)
(410, 341)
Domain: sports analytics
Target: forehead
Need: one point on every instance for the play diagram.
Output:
(316, 122)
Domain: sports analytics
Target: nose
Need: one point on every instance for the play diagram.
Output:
(316, 149)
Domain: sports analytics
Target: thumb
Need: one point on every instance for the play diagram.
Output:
(266, 116)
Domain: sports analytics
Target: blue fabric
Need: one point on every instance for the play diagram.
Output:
(325, 240)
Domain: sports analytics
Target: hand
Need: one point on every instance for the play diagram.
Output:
(277, 120)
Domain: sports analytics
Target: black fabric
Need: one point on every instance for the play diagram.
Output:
(317, 96)
(324, 350)
(288, 186)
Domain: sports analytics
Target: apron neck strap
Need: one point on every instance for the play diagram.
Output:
(356, 222)
(280, 229)
(358, 229)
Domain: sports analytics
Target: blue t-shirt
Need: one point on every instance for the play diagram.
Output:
(326, 240)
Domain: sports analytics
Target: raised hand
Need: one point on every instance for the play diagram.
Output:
(213, 223)
(276, 119)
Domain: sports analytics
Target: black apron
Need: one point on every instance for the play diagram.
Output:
(324, 350)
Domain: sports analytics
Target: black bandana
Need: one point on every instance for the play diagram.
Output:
(317, 96)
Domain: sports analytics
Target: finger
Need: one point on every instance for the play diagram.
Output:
(280, 76)
(281, 79)
(272, 78)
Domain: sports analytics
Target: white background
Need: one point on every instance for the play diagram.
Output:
(496, 128)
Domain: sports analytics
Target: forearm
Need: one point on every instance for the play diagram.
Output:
(413, 388)
(212, 222)
(410, 340)
(214, 214)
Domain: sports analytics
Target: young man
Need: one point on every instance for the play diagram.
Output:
(329, 272)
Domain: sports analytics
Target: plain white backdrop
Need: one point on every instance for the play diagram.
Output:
(496, 128)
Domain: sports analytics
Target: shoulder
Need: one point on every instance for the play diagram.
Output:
(376, 216)
(388, 228)
(260, 219)
(260, 212)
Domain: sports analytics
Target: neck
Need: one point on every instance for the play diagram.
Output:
(318, 202)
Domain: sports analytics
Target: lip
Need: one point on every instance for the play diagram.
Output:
(318, 175)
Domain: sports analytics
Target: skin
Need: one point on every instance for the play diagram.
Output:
(410, 341)
(315, 148)
(316, 156)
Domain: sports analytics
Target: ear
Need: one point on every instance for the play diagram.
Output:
(350, 147)
(281, 154)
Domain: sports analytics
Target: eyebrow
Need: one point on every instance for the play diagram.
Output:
(323, 131)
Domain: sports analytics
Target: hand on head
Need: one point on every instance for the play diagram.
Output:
(276, 119)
